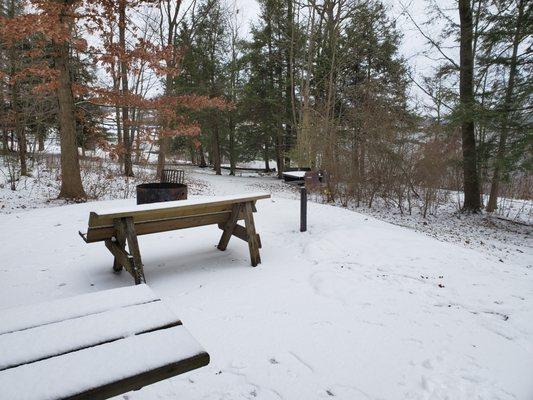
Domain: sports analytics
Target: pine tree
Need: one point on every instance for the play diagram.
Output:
(472, 195)
(512, 28)
(203, 72)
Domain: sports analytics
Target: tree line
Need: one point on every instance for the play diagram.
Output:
(320, 84)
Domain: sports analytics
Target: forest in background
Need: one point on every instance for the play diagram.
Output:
(315, 83)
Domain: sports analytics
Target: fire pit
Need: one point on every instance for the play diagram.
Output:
(156, 192)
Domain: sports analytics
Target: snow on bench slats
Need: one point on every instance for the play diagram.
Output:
(74, 334)
(177, 203)
(76, 372)
(24, 317)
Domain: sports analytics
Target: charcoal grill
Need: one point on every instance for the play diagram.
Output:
(157, 192)
(170, 188)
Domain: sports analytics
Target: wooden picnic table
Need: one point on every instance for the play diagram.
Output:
(121, 227)
(94, 346)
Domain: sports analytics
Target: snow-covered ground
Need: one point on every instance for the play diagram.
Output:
(355, 308)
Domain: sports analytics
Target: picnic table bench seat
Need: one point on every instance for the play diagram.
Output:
(94, 346)
(121, 227)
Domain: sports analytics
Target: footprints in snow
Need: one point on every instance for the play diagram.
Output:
(330, 392)
(296, 357)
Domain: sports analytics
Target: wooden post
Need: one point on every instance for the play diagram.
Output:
(125, 233)
(229, 227)
(253, 243)
(120, 241)
(303, 209)
(133, 247)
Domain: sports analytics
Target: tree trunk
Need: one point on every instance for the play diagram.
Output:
(71, 186)
(170, 39)
(164, 141)
(40, 139)
(162, 154)
(192, 152)
(128, 166)
(289, 84)
(232, 161)
(466, 88)
(120, 141)
(137, 119)
(279, 153)
(202, 164)
(500, 156)
(19, 130)
(5, 142)
(15, 102)
(216, 149)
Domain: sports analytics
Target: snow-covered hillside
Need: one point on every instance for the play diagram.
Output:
(355, 308)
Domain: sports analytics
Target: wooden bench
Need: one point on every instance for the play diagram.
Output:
(94, 346)
(121, 227)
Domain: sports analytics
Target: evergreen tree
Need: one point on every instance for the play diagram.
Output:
(510, 27)
(203, 72)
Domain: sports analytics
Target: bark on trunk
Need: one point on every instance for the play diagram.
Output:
(203, 164)
(19, 130)
(216, 149)
(192, 152)
(162, 154)
(15, 102)
(172, 21)
(126, 135)
(289, 85)
(40, 140)
(5, 142)
(71, 185)
(232, 155)
(466, 88)
(267, 157)
(279, 153)
(120, 141)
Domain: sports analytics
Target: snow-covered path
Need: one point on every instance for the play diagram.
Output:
(355, 308)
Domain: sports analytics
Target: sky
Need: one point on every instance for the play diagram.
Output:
(413, 45)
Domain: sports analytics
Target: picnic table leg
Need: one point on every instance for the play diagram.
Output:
(120, 242)
(229, 227)
(133, 246)
(125, 233)
(253, 243)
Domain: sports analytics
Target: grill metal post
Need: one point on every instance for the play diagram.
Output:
(303, 209)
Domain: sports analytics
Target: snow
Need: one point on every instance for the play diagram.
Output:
(101, 179)
(102, 211)
(354, 308)
(60, 377)
(257, 164)
(28, 316)
(295, 174)
(83, 332)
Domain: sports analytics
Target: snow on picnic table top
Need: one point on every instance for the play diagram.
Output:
(79, 371)
(65, 353)
(24, 317)
(178, 203)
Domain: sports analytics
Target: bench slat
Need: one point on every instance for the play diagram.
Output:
(171, 209)
(101, 233)
(78, 333)
(25, 317)
(108, 369)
